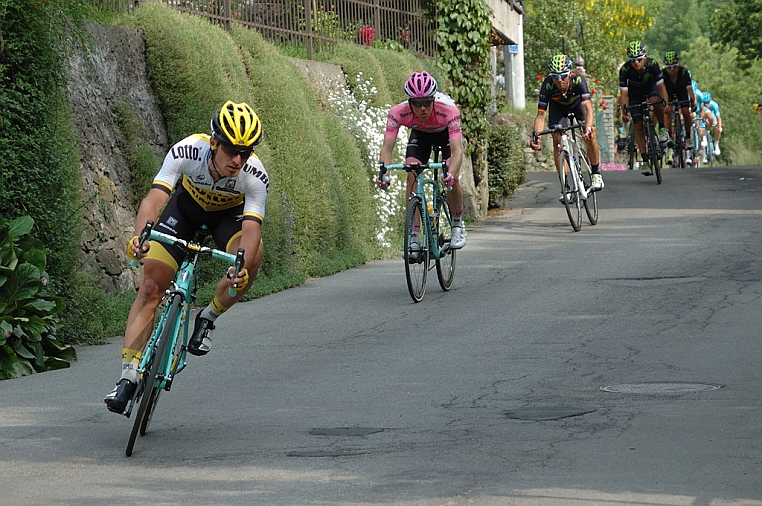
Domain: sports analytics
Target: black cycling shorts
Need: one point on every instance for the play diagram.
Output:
(183, 216)
(637, 96)
(420, 144)
(557, 114)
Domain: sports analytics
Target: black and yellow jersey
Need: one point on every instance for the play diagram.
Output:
(189, 160)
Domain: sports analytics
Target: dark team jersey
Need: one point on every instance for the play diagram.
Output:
(631, 78)
(683, 82)
(577, 92)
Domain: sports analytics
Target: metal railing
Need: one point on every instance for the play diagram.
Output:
(315, 25)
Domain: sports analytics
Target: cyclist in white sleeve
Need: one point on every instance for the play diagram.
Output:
(215, 181)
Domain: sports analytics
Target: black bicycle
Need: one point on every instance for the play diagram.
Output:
(654, 148)
(679, 133)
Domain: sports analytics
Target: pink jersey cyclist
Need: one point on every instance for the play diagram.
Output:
(433, 120)
(446, 116)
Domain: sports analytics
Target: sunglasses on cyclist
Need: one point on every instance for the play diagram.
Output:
(670, 67)
(640, 58)
(421, 103)
(232, 151)
(560, 76)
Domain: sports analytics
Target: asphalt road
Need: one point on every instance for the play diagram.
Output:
(619, 365)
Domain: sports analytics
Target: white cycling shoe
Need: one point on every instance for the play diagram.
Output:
(458, 238)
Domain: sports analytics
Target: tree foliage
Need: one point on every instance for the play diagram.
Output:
(740, 25)
(595, 30)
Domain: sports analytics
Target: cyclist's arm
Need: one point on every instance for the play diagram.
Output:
(456, 157)
(539, 123)
(587, 106)
(387, 148)
(251, 241)
(624, 100)
(149, 209)
(662, 88)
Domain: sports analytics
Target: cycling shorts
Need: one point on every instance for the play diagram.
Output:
(183, 216)
(420, 144)
(557, 114)
(636, 97)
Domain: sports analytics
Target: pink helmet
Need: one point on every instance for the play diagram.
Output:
(420, 85)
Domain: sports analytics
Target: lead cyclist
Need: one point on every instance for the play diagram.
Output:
(215, 181)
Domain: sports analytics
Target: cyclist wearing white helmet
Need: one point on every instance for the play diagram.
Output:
(640, 79)
(433, 120)
(205, 180)
(562, 92)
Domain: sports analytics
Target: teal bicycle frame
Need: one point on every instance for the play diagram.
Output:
(427, 203)
(165, 353)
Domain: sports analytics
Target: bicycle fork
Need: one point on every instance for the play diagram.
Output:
(578, 185)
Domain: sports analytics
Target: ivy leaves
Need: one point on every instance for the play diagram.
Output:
(463, 39)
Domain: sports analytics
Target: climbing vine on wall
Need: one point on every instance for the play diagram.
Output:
(463, 38)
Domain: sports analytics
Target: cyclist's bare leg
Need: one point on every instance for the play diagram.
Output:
(455, 197)
(411, 189)
(593, 151)
(687, 121)
(660, 113)
(640, 137)
(156, 278)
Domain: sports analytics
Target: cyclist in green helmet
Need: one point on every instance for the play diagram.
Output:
(640, 79)
(562, 92)
(677, 80)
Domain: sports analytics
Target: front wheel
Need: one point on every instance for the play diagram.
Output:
(591, 202)
(150, 396)
(416, 254)
(569, 194)
(654, 151)
(446, 260)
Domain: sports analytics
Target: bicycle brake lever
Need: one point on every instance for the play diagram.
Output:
(237, 266)
(144, 236)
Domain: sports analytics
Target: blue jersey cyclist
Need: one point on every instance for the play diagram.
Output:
(677, 80)
(217, 182)
(640, 79)
(711, 114)
(565, 91)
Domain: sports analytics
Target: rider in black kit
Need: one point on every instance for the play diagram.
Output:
(640, 78)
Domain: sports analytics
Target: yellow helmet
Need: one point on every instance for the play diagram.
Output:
(237, 125)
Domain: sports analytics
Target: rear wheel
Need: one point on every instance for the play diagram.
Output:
(416, 257)
(571, 198)
(632, 149)
(654, 151)
(149, 399)
(446, 261)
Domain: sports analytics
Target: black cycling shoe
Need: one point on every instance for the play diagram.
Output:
(117, 400)
(201, 341)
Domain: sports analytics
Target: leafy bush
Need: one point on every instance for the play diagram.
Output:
(28, 310)
(505, 157)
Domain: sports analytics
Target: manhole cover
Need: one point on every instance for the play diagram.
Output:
(660, 388)
(346, 431)
(542, 414)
